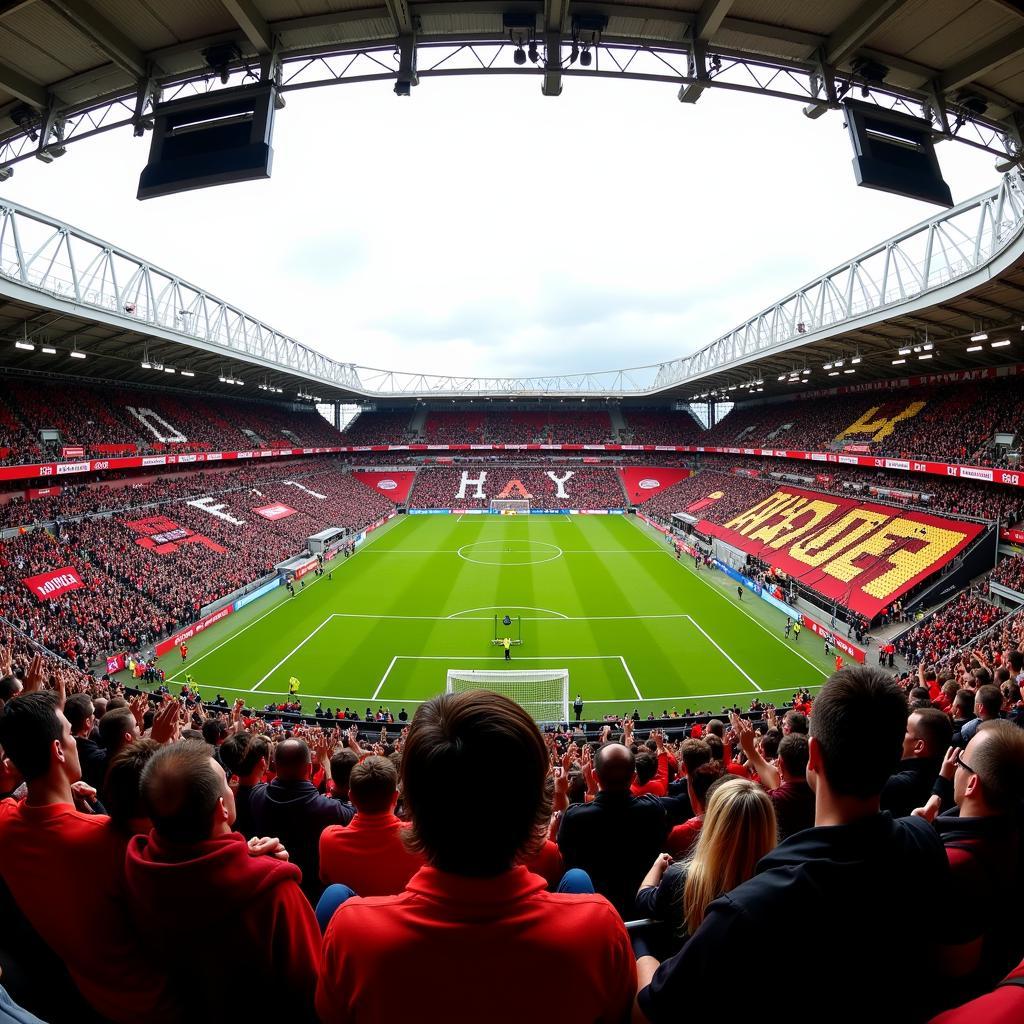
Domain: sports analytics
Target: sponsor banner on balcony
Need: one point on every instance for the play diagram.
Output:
(72, 451)
(859, 554)
(275, 511)
(48, 585)
(643, 482)
(190, 631)
(395, 486)
(43, 492)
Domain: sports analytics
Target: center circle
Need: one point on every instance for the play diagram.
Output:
(509, 552)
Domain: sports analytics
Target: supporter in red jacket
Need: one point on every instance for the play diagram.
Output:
(46, 836)
(234, 909)
(368, 855)
(475, 935)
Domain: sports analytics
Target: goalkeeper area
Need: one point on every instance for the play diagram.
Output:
(601, 598)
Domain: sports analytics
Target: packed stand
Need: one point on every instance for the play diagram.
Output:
(120, 421)
(956, 423)
(322, 859)
(584, 487)
(735, 494)
(1010, 573)
(948, 629)
(660, 426)
(384, 426)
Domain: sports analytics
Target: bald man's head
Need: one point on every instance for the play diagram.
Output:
(292, 760)
(182, 788)
(615, 767)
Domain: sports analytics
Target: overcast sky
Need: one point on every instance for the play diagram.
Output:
(481, 228)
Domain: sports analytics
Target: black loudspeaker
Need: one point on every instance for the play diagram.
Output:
(214, 139)
(894, 152)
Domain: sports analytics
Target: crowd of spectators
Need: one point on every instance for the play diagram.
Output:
(101, 421)
(584, 487)
(955, 423)
(326, 861)
(138, 589)
(720, 496)
(1010, 573)
(660, 426)
(948, 629)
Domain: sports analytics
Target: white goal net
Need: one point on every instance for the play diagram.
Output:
(510, 506)
(544, 693)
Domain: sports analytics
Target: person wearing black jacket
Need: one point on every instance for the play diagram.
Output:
(79, 711)
(616, 836)
(835, 896)
(927, 737)
(291, 809)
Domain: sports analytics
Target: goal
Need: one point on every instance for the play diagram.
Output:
(544, 693)
(510, 506)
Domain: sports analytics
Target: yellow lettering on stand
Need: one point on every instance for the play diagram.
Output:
(784, 532)
(762, 512)
(881, 428)
(824, 546)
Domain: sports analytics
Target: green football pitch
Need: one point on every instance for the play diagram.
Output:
(600, 596)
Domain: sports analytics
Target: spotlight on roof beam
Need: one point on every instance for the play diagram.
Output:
(806, 370)
(170, 369)
(849, 371)
(925, 355)
(928, 346)
(25, 346)
(1001, 344)
(826, 366)
(898, 362)
(519, 56)
(782, 376)
(982, 336)
(839, 362)
(75, 354)
(975, 348)
(47, 351)
(905, 351)
(187, 373)
(146, 364)
(855, 360)
(834, 373)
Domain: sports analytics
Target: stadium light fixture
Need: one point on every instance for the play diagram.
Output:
(834, 373)
(855, 360)
(826, 366)
(898, 362)
(169, 369)
(904, 351)
(975, 348)
(806, 371)
(839, 363)
(928, 346)
(849, 371)
(981, 336)
(1001, 344)
(925, 355)
(75, 354)
(782, 376)
(47, 351)
(187, 373)
(25, 346)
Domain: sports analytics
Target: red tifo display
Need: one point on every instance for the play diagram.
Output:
(860, 554)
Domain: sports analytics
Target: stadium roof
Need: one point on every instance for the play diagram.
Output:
(72, 68)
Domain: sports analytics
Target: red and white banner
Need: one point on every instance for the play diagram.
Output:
(48, 585)
(1013, 536)
(840, 643)
(643, 482)
(116, 663)
(277, 511)
(190, 631)
(651, 522)
(394, 486)
(72, 451)
(42, 492)
(302, 570)
(857, 553)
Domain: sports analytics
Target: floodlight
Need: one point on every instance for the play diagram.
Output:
(26, 346)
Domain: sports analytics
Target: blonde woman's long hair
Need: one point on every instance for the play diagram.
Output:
(739, 829)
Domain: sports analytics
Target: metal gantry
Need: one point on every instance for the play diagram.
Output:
(676, 55)
(937, 252)
(63, 269)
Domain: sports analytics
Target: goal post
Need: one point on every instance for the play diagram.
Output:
(510, 506)
(544, 693)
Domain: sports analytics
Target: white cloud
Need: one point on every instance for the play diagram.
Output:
(479, 227)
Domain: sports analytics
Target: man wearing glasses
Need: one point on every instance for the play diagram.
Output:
(981, 833)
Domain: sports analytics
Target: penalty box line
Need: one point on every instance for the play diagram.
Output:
(468, 657)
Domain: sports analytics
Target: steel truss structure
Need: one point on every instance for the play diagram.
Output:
(61, 268)
(939, 251)
(680, 58)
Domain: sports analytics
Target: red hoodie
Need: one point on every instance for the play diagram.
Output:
(236, 932)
